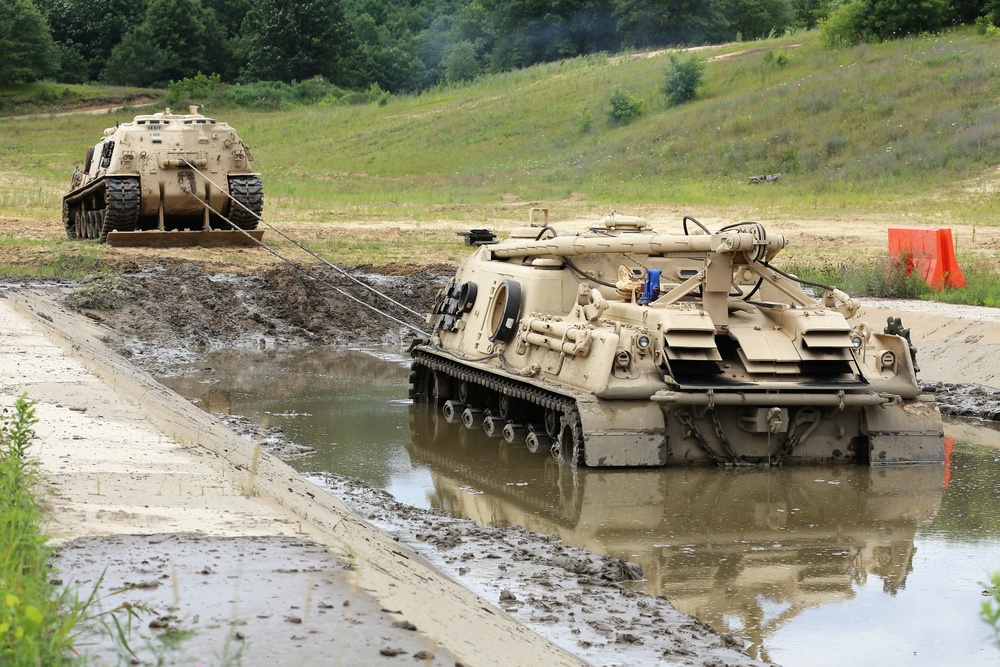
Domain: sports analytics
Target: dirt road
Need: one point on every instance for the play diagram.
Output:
(832, 240)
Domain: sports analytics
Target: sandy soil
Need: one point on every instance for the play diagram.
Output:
(831, 240)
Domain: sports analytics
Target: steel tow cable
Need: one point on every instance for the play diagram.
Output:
(307, 250)
(305, 272)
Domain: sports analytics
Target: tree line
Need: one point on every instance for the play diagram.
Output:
(406, 45)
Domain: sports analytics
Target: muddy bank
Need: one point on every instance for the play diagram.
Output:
(573, 596)
(172, 311)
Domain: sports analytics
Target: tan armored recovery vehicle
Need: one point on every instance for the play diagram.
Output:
(166, 172)
(620, 346)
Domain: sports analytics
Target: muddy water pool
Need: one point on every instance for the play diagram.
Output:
(816, 565)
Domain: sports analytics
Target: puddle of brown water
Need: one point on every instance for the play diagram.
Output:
(810, 565)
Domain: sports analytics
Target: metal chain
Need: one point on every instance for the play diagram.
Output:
(729, 457)
(687, 421)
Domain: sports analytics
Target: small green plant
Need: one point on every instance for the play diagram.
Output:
(624, 107)
(378, 96)
(16, 431)
(584, 121)
(38, 625)
(32, 628)
(990, 609)
(683, 79)
(779, 58)
(352, 557)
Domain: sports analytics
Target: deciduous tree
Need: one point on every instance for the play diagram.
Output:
(290, 40)
(86, 31)
(460, 64)
(27, 52)
(891, 19)
(664, 22)
(753, 19)
(176, 39)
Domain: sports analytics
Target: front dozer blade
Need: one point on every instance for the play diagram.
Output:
(158, 239)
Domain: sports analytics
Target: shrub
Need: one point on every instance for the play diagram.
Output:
(192, 89)
(378, 96)
(624, 107)
(584, 121)
(277, 95)
(842, 27)
(986, 25)
(779, 57)
(683, 79)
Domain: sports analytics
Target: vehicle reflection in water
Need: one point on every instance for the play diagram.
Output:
(808, 564)
(742, 550)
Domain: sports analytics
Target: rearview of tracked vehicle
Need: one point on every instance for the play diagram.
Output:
(621, 346)
(184, 173)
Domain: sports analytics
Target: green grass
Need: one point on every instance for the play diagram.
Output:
(983, 285)
(47, 96)
(883, 277)
(887, 278)
(990, 608)
(40, 624)
(35, 627)
(907, 127)
(52, 259)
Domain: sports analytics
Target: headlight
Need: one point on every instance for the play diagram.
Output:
(887, 359)
(642, 342)
(856, 342)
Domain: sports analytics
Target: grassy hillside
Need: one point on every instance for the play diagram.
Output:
(48, 97)
(909, 127)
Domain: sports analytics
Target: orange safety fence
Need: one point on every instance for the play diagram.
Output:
(930, 252)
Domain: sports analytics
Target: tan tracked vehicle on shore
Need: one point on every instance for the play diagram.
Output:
(620, 346)
(185, 174)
